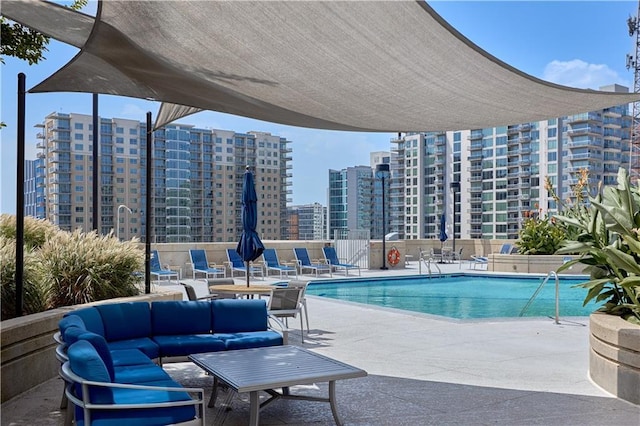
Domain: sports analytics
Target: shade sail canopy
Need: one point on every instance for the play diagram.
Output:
(343, 65)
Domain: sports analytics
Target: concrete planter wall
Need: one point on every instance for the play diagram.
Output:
(27, 349)
(538, 264)
(614, 356)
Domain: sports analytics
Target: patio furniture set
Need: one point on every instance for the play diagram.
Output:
(112, 357)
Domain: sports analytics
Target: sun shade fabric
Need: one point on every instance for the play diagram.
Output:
(344, 65)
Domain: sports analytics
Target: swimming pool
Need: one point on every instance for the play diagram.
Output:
(461, 296)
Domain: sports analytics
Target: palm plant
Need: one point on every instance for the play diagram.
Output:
(608, 242)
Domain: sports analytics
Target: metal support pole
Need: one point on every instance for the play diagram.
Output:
(20, 195)
(147, 241)
(381, 172)
(96, 166)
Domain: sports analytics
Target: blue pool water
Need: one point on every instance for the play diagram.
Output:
(461, 296)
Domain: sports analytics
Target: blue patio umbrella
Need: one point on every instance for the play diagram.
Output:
(249, 247)
(443, 229)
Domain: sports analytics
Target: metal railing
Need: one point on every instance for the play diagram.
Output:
(539, 289)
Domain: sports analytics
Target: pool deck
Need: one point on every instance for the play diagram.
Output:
(423, 370)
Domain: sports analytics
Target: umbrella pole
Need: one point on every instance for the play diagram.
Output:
(247, 273)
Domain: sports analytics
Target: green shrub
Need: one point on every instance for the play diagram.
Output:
(64, 268)
(36, 231)
(35, 292)
(84, 267)
(540, 236)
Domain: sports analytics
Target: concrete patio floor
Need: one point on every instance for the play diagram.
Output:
(423, 370)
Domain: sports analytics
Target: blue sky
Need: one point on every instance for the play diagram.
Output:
(574, 43)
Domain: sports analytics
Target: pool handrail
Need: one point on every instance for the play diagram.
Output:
(535, 294)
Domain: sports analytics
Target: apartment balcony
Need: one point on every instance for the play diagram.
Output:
(513, 197)
(475, 146)
(587, 116)
(513, 130)
(524, 139)
(475, 210)
(524, 127)
(475, 135)
(513, 219)
(475, 156)
(475, 221)
(513, 152)
(475, 178)
(513, 141)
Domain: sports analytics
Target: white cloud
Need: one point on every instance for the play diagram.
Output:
(583, 75)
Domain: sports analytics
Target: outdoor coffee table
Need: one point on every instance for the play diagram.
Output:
(274, 367)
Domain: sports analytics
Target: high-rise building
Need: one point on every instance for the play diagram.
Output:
(350, 199)
(308, 222)
(196, 179)
(487, 181)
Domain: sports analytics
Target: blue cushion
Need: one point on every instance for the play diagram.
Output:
(100, 345)
(126, 320)
(126, 357)
(85, 361)
(91, 318)
(238, 315)
(187, 344)
(143, 344)
(71, 334)
(140, 374)
(254, 339)
(70, 321)
(180, 317)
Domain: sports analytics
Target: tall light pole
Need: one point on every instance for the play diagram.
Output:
(455, 187)
(120, 207)
(382, 170)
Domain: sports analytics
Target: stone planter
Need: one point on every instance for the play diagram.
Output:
(614, 356)
(534, 264)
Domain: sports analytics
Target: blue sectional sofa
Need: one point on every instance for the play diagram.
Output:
(108, 353)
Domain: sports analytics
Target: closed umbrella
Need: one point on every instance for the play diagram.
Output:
(249, 247)
(443, 230)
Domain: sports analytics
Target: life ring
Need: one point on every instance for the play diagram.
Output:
(393, 257)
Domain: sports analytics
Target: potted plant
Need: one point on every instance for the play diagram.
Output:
(607, 239)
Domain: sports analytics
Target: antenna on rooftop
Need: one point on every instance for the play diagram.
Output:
(632, 63)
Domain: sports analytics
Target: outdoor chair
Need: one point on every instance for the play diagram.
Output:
(331, 256)
(157, 270)
(478, 260)
(272, 263)
(200, 265)
(304, 263)
(237, 264)
(303, 300)
(286, 302)
(199, 291)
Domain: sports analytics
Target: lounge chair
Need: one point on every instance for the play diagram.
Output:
(157, 270)
(304, 263)
(272, 263)
(286, 302)
(237, 264)
(332, 259)
(506, 248)
(200, 265)
(478, 260)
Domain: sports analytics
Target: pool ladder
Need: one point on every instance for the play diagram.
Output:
(535, 294)
(427, 262)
